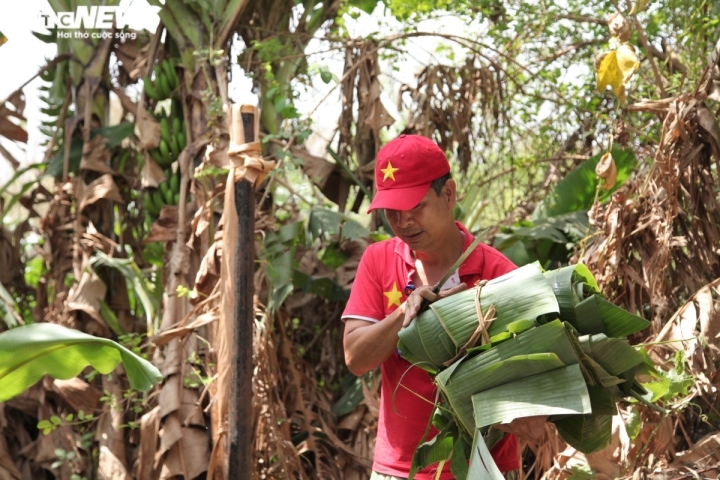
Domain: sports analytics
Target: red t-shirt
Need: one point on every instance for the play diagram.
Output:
(408, 392)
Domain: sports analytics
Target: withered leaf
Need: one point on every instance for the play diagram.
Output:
(616, 68)
(606, 171)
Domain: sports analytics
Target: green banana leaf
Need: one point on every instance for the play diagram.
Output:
(31, 351)
(551, 337)
(562, 282)
(616, 321)
(615, 355)
(595, 375)
(437, 334)
(142, 286)
(466, 381)
(459, 459)
(586, 433)
(532, 396)
(555, 348)
(482, 465)
(591, 432)
(435, 450)
(577, 190)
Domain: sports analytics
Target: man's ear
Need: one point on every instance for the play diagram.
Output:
(449, 192)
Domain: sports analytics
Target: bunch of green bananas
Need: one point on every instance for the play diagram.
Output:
(172, 140)
(164, 82)
(167, 193)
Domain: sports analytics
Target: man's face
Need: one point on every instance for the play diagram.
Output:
(425, 226)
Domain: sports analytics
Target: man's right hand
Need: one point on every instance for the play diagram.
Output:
(420, 294)
(368, 344)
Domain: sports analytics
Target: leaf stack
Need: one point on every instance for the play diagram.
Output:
(527, 343)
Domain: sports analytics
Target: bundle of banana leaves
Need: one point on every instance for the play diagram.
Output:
(528, 343)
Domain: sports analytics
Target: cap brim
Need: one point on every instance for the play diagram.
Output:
(399, 198)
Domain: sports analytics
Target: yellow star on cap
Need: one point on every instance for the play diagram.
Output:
(389, 171)
(393, 296)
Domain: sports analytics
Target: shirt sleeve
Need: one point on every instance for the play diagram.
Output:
(365, 302)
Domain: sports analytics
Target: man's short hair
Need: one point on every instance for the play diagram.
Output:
(439, 183)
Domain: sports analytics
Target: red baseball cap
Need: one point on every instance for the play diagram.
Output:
(404, 170)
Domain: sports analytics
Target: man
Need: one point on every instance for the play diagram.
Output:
(415, 190)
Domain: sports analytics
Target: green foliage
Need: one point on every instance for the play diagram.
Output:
(24, 188)
(435, 450)
(183, 291)
(323, 223)
(633, 423)
(583, 472)
(546, 240)
(50, 425)
(670, 386)
(352, 388)
(7, 308)
(134, 343)
(560, 220)
(31, 351)
(279, 254)
(407, 9)
(366, 6)
(115, 134)
(271, 49)
(578, 189)
(328, 227)
(64, 457)
(144, 290)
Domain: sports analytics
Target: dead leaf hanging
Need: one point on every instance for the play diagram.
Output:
(147, 128)
(606, 171)
(95, 156)
(12, 131)
(102, 188)
(87, 295)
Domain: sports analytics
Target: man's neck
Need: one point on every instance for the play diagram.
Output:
(436, 262)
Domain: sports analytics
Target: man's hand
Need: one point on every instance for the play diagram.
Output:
(416, 298)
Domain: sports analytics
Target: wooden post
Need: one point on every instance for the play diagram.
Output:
(244, 129)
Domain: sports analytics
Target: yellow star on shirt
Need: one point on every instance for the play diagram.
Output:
(393, 296)
(389, 171)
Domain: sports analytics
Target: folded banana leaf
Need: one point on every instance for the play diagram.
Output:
(538, 350)
(584, 308)
(548, 344)
(535, 395)
(439, 333)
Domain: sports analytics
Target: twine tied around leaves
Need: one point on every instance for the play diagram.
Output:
(480, 331)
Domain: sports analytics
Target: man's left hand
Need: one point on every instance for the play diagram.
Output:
(416, 298)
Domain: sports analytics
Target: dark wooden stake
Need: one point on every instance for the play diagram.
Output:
(240, 416)
(240, 412)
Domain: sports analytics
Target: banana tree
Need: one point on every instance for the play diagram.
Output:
(200, 34)
(93, 214)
